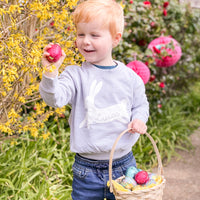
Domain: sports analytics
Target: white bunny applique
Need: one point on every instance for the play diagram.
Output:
(96, 115)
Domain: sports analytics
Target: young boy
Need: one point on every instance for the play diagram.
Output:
(106, 98)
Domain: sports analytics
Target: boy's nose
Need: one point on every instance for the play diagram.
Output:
(86, 40)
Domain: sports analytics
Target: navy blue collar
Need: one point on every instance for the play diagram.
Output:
(106, 67)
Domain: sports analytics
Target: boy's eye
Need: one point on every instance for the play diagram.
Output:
(80, 34)
(95, 35)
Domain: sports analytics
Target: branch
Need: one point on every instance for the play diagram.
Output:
(6, 30)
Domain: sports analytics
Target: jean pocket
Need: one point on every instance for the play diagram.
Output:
(79, 171)
(121, 170)
(117, 172)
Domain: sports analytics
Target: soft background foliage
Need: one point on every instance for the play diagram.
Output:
(144, 23)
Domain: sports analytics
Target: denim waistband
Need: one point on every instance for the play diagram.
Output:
(102, 164)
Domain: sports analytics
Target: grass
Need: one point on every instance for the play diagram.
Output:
(36, 169)
(42, 169)
(170, 128)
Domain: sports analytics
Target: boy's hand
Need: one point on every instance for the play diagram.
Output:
(48, 65)
(137, 126)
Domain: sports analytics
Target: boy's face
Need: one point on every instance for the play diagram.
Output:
(95, 43)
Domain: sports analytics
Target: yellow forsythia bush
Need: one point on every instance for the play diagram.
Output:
(26, 27)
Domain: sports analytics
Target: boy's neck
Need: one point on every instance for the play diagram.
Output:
(107, 63)
(106, 66)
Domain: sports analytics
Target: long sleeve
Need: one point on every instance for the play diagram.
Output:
(58, 91)
(140, 109)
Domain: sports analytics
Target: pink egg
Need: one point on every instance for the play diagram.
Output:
(141, 177)
(55, 53)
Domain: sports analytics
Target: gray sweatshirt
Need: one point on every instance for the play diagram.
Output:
(104, 101)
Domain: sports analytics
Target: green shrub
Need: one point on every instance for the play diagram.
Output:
(147, 22)
(37, 169)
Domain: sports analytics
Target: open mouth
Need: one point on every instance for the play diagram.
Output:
(89, 51)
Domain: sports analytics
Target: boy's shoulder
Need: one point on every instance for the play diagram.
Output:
(125, 68)
(76, 70)
(72, 67)
(129, 73)
(76, 66)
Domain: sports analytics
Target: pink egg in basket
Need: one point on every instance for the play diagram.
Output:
(141, 69)
(142, 177)
(170, 47)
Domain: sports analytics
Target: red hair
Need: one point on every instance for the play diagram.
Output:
(109, 12)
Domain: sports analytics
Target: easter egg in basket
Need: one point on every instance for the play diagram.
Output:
(128, 183)
(142, 177)
(131, 172)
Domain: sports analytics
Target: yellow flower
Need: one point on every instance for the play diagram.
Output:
(46, 135)
(72, 3)
(14, 8)
(4, 93)
(22, 41)
(4, 128)
(22, 99)
(34, 132)
(13, 142)
(122, 4)
(13, 114)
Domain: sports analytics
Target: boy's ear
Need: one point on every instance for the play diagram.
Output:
(117, 39)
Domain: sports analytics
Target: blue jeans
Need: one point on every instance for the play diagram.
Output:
(90, 176)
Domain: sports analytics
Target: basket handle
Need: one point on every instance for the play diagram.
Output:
(160, 167)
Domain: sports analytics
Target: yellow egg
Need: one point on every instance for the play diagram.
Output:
(117, 186)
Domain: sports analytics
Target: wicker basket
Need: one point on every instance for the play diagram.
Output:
(154, 193)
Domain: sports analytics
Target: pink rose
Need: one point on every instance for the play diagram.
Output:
(147, 3)
(164, 12)
(165, 4)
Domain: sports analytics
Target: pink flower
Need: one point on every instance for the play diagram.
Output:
(152, 24)
(159, 105)
(147, 3)
(164, 12)
(130, 1)
(152, 78)
(156, 50)
(52, 23)
(134, 40)
(165, 4)
(34, 108)
(162, 85)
